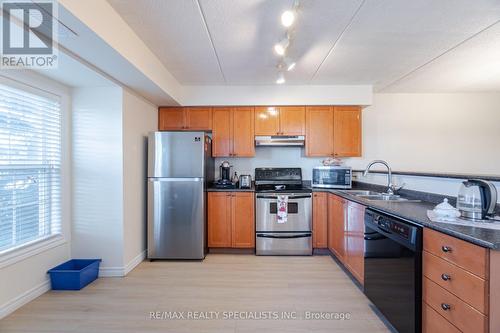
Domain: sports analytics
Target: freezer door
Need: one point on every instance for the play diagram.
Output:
(176, 154)
(176, 218)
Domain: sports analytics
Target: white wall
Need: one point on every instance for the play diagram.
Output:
(139, 118)
(98, 173)
(24, 277)
(449, 133)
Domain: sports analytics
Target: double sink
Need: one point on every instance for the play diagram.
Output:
(377, 196)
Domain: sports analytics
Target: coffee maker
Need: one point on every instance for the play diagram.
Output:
(224, 180)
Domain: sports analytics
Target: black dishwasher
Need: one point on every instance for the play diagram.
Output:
(393, 269)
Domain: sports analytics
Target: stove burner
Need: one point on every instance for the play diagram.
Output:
(283, 180)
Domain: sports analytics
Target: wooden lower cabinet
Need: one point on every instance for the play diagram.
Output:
(355, 242)
(320, 220)
(219, 219)
(346, 223)
(243, 220)
(231, 220)
(433, 322)
(336, 226)
(458, 281)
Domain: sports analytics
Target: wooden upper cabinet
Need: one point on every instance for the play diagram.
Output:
(185, 118)
(282, 120)
(243, 220)
(320, 220)
(267, 120)
(292, 120)
(233, 132)
(171, 118)
(347, 131)
(221, 132)
(319, 131)
(219, 219)
(243, 132)
(198, 118)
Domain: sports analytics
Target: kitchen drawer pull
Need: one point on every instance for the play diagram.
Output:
(445, 306)
(446, 248)
(445, 277)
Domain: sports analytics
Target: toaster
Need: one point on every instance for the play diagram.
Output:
(245, 181)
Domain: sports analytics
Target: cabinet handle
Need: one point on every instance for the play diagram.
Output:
(445, 306)
(446, 277)
(446, 248)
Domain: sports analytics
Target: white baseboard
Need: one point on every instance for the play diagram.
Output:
(124, 270)
(24, 298)
(134, 262)
(43, 287)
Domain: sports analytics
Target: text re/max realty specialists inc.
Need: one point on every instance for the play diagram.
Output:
(248, 315)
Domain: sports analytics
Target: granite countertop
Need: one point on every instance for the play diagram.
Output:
(416, 212)
(213, 189)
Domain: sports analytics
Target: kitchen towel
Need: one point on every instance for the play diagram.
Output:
(282, 214)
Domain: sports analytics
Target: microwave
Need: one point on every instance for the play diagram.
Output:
(332, 176)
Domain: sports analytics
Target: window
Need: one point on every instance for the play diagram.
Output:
(30, 166)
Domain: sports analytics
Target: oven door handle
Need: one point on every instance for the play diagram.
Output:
(289, 197)
(284, 237)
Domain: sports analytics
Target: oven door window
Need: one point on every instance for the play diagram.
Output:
(293, 208)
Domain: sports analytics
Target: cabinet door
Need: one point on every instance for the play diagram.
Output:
(319, 131)
(219, 219)
(243, 220)
(347, 131)
(199, 118)
(266, 120)
(243, 133)
(171, 118)
(355, 240)
(221, 132)
(320, 220)
(292, 120)
(336, 229)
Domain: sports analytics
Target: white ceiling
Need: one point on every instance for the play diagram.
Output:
(394, 45)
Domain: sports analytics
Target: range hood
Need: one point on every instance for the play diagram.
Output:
(279, 140)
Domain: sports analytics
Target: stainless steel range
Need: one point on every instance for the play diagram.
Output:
(283, 212)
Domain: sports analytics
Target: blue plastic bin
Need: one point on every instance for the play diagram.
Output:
(74, 274)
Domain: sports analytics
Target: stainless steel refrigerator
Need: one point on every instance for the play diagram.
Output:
(180, 166)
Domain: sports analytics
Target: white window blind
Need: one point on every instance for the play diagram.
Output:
(30, 162)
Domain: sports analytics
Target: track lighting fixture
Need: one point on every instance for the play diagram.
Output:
(280, 48)
(281, 78)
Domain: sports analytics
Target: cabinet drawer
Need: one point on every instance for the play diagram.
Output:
(433, 322)
(467, 286)
(470, 257)
(456, 311)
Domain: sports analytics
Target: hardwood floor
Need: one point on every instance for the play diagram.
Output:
(222, 283)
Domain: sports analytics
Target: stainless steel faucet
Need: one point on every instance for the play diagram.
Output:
(390, 186)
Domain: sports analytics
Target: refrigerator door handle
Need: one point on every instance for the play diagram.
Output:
(197, 179)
